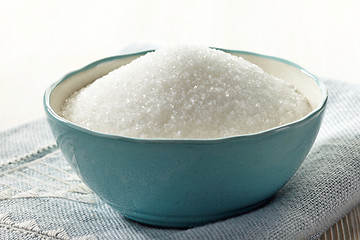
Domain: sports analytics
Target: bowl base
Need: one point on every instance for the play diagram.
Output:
(187, 221)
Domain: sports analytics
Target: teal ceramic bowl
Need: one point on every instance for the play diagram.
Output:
(184, 183)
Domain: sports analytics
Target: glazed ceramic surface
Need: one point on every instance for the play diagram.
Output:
(183, 183)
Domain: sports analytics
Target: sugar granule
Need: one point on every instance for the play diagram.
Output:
(186, 92)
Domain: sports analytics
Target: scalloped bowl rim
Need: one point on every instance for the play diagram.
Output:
(313, 113)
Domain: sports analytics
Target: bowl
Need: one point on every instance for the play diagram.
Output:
(185, 183)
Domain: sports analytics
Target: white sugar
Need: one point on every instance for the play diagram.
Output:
(186, 92)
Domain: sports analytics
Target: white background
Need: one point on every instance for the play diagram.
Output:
(42, 40)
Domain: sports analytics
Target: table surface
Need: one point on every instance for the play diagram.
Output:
(43, 40)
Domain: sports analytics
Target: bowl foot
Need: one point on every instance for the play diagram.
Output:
(188, 221)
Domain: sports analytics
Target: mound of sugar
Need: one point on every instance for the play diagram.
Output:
(186, 92)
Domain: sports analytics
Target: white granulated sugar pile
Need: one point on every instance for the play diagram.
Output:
(186, 92)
